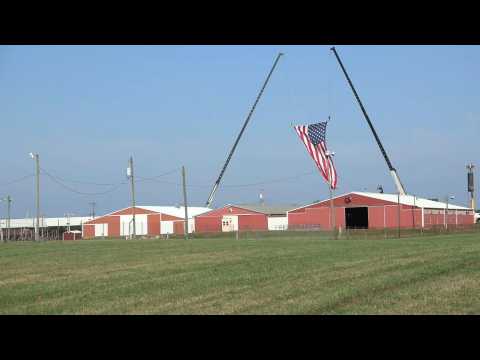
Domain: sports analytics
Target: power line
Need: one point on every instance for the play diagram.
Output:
(272, 181)
(178, 184)
(18, 180)
(80, 182)
(158, 176)
(59, 182)
(243, 185)
(110, 184)
(87, 183)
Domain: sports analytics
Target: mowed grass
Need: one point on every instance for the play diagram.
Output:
(290, 275)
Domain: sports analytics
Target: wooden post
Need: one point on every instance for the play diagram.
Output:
(399, 215)
(332, 208)
(332, 214)
(132, 184)
(185, 225)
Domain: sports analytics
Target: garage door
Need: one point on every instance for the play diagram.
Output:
(126, 225)
(166, 227)
(101, 230)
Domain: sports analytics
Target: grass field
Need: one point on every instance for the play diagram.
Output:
(289, 275)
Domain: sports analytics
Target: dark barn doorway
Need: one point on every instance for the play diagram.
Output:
(356, 218)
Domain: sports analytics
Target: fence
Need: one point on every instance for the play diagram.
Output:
(28, 234)
(317, 232)
(392, 233)
(305, 231)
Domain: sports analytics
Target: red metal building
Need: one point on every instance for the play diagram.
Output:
(378, 211)
(243, 218)
(149, 221)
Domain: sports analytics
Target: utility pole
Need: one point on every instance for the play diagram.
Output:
(68, 216)
(398, 214)
(37, 192)
(446, 211)
(185, 225)
(471, 185)
(42, 226)
(9, 201)
(445, 220)
(132, 182)
(332, 212)
(93, 203)
(330, 155)
(414, 209)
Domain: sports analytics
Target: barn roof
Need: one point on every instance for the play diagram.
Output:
(412, 200)
(177, 211)
(268, 209)
(46, 222)
(258, 208)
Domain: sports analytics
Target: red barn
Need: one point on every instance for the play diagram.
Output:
(378, 211)
(243, 218)
(149, 221)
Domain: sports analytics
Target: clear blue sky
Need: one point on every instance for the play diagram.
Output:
(86, 109)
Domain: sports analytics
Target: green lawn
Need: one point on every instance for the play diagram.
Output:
(302, 275)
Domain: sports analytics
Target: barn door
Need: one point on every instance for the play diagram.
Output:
(166, 227)
(101, 230)
(356, 218)
(229, 223)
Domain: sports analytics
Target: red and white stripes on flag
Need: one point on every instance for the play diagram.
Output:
(313, 137)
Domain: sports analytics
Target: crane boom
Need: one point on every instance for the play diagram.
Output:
(217, 183)
(393, 171)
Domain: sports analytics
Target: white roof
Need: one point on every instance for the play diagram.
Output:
(412, 200)
(178, 211)
(45, 222)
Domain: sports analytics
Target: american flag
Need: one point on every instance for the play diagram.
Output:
(313, 136)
